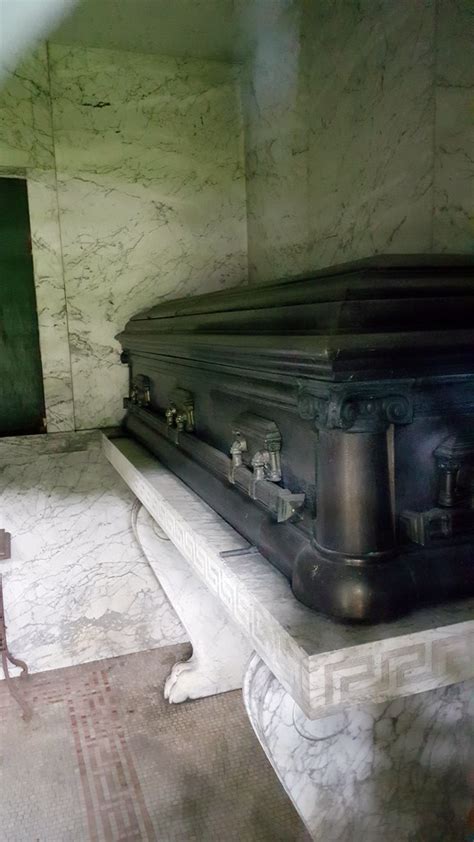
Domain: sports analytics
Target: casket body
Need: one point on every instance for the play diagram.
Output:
(329, 419)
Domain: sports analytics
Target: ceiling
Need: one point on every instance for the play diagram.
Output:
(211, 29)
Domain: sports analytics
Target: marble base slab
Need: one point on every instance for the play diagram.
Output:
(220, 651)
(325, 666)
(21, 450)
(401, 770)
(77, 587)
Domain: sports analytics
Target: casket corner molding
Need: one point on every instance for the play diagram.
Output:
(355, 407)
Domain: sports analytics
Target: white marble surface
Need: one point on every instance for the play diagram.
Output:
(324, 665)
(371, 122)
(220, 651)
(21, 450)
(136, 188)
(357, 139)
(358, 133)
(395, 771)
(453, 224)
(50, 300)
(77, 587)
(151, 195)
(201, 28)
(27, 150)
(274, 84)
(339, 116)
(25, 110)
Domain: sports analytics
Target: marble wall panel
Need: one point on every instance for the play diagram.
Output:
(359, 133)
(371, 129)
(27, 150)
(339, 110)
(453, 223)
(151, 195)
(25, 124)
(136, 193)
(50, 300)
(275, 92)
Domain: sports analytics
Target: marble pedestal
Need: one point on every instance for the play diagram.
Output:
(394, 771)
(220, 650)
(369, 728)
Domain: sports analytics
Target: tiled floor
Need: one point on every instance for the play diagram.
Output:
(77, 587)
(104, 758)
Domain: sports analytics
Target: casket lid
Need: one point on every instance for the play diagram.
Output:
(384, 278)
(391, 312)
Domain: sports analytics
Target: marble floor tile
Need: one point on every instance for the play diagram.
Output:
(77, 587)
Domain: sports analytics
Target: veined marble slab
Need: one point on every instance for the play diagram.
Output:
(27, 150)
(151, 196)
(19, 450)
(394, 771)
(220, 651)
(77, 587)
(453, 217)
(50, 300)
(322, 664)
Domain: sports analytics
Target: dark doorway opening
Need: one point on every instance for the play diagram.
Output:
(21, 378)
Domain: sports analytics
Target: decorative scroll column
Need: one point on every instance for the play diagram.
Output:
(353, 484)
(354, 526)
(393, 771)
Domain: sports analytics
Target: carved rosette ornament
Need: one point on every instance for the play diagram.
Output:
(356, 408)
